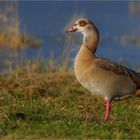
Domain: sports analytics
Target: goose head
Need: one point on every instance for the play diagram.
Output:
(85, 26)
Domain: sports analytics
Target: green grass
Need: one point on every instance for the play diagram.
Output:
(55, 106)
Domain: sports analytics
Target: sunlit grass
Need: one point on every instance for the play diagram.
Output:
(54, 105)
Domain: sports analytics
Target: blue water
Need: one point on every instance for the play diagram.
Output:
(47, 19)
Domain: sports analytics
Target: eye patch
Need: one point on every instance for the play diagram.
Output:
(82, 23)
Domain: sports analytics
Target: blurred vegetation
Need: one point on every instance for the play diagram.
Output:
(14, 43)
(132, 39)
(19, 41)
(10, 33)
(134, 7)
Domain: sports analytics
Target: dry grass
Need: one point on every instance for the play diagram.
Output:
(53, 105)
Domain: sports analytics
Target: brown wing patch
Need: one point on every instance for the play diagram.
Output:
(117, 69)
(82, 23)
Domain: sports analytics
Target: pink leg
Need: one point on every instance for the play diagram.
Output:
(107, 113)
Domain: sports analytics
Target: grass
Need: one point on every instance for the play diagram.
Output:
(54, 105)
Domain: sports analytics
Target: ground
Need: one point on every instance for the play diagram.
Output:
(54, 105)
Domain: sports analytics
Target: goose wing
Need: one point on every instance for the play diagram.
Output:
(118, 69)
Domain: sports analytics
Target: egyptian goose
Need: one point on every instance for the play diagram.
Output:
(101, 76)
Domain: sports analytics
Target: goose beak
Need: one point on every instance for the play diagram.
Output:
(71, 30)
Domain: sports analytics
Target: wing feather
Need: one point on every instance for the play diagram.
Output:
(117, 69)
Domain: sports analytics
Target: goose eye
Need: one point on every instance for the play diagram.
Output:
(82, 23)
